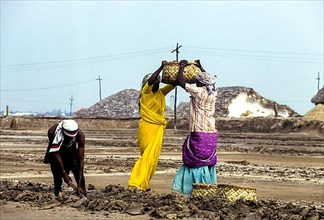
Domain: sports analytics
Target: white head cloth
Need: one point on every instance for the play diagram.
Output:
(146, 77)
(69, 127)
(208, 80)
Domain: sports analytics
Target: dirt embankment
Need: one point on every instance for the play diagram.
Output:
(258, 124)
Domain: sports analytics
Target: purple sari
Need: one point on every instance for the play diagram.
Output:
(199, 149)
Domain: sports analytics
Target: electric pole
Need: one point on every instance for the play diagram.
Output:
(175, 90)
(71, 103)
(318, 81)
(171, 100)
(99, 79)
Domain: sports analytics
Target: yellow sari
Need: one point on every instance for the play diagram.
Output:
(150, 135)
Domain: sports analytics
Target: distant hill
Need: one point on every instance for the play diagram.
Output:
(122, 105)
(234, 101)
(319, 97)
(239, 101)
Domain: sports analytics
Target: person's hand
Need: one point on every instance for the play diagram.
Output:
(80, 191)
(67, 179)
(183, 63)
(164, 63)
(197, 63)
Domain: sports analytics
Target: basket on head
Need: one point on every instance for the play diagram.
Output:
(170, 72)
(228, 192)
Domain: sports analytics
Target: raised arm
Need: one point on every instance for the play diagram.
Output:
(180, 79)
(155, 75)
(198, 64)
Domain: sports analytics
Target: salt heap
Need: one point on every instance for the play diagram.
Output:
(316, 113)
(234, 101)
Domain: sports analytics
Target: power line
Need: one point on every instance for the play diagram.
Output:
(46, 88)
(88, 58)
(65, 65)
(256, 57)
(28, 101)
(257, 51)
(220, 52)
(262, 56)
(81, 61)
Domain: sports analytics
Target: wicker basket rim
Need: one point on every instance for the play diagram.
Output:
(177, 62)
(223, 185)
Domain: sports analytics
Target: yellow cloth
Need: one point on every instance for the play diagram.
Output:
(150, 135)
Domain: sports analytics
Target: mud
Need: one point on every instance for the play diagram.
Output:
(286, 168)
(114, 198)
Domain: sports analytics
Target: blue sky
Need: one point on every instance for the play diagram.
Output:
(53, 50)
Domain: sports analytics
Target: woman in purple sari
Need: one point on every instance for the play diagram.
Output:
(199, 149)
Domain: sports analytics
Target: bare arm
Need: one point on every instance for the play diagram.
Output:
(60, 162)
(166, 89)
(155, 75)
(198, 64)
(81, 149)
(51, 134)
(66, 177)
(180, 79)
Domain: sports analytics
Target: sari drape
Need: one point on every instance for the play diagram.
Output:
(199, 149)
(199, 158)
(150, 139)
(186, 176)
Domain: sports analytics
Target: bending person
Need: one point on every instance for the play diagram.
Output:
(199, 149)
(65, 153)
(151, 129)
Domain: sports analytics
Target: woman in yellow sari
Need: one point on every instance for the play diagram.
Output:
(151, 129)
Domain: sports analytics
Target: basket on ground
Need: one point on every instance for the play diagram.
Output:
(229, 192)
(170, 72)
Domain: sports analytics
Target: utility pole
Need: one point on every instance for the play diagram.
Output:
(99, 79)
(7, 111)
(175, 90)
(318, 81)
(71, 103)
(171, 100)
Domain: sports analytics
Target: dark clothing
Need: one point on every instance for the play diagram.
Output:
(69, 156)
(69, 165)
(67, 149)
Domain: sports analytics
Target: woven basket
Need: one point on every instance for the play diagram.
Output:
(229, 192)
(170, 72)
